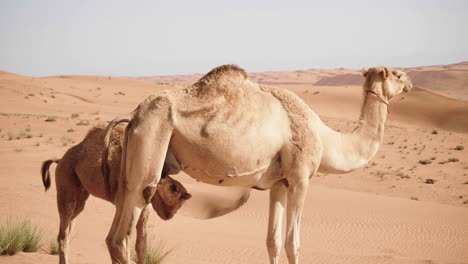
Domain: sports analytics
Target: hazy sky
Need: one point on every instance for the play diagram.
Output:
(134, 38)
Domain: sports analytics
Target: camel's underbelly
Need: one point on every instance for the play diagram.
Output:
(245, 179)
(224, 162)
(261, 177)
(237, 158)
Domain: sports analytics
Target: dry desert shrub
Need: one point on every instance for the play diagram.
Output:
(66, 140)
(83, 123)
(24, 133)
(425, 162)
(429, 181)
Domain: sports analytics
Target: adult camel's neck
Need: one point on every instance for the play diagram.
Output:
(343, 153)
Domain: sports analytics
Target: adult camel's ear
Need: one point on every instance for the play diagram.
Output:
(364, 72)
(384, 73)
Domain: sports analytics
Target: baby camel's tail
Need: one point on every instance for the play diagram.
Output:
(45, 172)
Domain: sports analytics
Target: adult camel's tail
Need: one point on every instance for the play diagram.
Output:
(105, 165)
(45, 172)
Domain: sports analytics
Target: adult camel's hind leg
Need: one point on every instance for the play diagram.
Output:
(298, 179)
(275, 221)
(145, 146)
(142, 235)
(71, 199)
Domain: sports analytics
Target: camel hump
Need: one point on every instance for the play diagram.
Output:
(226, 80)
(221, 72)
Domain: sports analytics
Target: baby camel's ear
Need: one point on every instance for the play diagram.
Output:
(186, 196)
(364, 72)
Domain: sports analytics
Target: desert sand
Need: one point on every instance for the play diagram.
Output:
(383, 213)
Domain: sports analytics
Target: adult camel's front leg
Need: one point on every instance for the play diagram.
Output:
(275, 221)
(142, 234)
(144, 150)
(297, 191)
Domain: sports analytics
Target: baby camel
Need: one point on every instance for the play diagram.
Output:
(78, 174)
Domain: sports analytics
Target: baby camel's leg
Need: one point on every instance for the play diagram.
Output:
(81, 198)
(66, 205)
(142, 234)
(71, 199)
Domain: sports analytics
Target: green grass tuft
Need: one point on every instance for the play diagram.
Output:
(19, 236)
(53, 247)
(154, 254)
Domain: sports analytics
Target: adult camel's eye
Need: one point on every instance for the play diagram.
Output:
(397, 74)
(174, 188)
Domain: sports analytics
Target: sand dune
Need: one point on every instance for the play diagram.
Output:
(421, 107)
(383, 213)
(432, 110)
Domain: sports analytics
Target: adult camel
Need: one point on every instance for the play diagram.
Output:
(227, 130)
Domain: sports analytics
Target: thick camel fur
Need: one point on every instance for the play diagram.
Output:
(227, 130)
(78, 174)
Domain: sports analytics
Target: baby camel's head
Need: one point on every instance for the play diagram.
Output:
(169, 197)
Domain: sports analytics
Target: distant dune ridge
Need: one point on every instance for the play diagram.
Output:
(451, 79)
(408, 205)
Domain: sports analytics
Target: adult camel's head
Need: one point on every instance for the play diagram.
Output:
(386, 82)
(168, 199)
